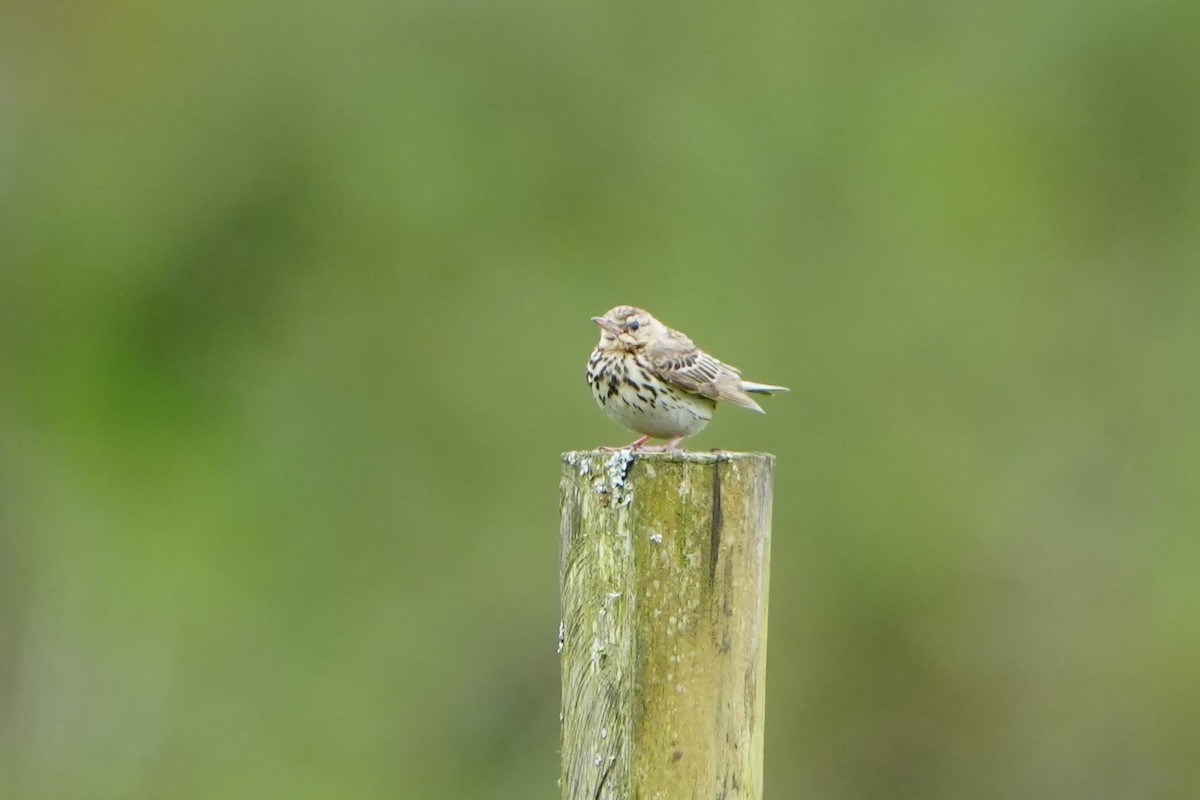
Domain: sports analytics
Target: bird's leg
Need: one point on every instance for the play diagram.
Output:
(674, 443)
(632, 446)
(670, 447)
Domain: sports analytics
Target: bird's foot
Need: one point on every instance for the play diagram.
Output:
(632, 446)
(670, 447)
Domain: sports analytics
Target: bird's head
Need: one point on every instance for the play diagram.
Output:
(627, 328)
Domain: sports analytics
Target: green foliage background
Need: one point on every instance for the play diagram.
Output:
(294, 306)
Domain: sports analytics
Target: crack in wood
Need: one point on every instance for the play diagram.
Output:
(718, 521)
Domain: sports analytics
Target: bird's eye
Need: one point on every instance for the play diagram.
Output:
(633, 325)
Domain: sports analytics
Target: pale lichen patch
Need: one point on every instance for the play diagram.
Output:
(616, 471)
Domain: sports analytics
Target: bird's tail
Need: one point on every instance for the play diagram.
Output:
(762, 388)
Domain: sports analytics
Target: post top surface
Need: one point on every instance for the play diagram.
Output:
(673, 456)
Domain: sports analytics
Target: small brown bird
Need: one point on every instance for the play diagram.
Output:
(654, 380)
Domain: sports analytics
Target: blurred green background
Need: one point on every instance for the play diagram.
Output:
(294, 308)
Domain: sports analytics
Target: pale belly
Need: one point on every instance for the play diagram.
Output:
(670, 414)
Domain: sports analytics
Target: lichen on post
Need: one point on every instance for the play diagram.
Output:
(664, 574)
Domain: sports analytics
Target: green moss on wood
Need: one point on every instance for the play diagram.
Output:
(664, 602)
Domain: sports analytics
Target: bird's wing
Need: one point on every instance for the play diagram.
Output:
(677, 360)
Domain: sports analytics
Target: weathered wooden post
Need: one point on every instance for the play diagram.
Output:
(664, 624)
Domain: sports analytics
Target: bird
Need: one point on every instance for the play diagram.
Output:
(653, 379)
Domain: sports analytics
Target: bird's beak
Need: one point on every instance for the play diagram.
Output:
(608, 325)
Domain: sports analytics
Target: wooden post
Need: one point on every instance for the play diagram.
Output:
(664, 571)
